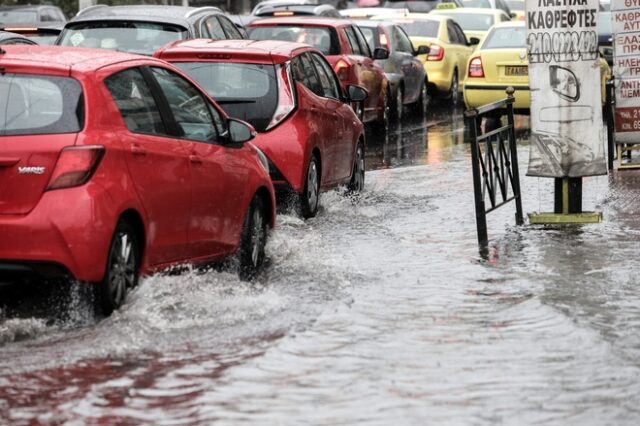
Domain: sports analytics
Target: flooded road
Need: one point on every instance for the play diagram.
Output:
(378, 311)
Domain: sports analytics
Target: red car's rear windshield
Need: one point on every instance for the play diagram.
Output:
(245, 91)
(38, 104)
(324, 39)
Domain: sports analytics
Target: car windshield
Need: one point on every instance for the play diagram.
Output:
(413, 6)
(484, 4)
(18, 17)
(134, 37)
(515, 4)
(473, 21)
(245, 91)
(37, 104)
(322, 38)
(504, 38)
(419, 28)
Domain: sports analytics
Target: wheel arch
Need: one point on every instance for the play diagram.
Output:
(264, 194)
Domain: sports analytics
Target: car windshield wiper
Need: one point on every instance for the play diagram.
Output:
(236, 101)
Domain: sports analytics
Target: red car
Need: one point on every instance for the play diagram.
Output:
(346, 49)
(113, 165)
(290, 94)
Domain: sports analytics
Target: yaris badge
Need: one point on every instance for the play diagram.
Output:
(31, 170)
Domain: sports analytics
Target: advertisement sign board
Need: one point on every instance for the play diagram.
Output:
(567, 133)
(626, 69)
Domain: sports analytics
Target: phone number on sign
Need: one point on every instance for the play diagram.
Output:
(571, 46)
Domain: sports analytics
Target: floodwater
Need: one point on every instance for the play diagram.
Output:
(378, 311)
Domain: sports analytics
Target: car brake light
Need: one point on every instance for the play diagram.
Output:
(342, 69)
(436, 53)
(75, 166)
(286, 98)
(475, 67)
(383, 40)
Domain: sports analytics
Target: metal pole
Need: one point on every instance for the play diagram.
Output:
(514, 157)
(481, 220)
(608, 107)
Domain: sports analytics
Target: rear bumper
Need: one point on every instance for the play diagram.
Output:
(476, 95)
(67, 233)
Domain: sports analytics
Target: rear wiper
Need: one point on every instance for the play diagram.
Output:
(235, 101)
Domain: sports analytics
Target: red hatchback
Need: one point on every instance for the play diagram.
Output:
(290, 94)
(112, 165)
(346, 49)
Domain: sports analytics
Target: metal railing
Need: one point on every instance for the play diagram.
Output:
(494, 161)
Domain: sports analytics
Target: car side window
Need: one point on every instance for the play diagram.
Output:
(229, 28)
(403, 42)
(135, 102)
(328, 81)
(213, 28)
(364, 46)
(353, 41)
(189, 107)
(461, 36)
(454, 37)
(304, 72)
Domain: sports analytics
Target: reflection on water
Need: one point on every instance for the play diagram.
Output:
(378, 311)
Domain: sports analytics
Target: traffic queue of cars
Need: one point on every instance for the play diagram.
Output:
(158, 136)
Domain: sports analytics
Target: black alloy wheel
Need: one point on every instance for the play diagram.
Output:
(253, 240)
(310, 197)
(122, 269)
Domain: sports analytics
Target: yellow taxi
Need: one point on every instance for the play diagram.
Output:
(501, 61)
(474, 21)
(449, 50)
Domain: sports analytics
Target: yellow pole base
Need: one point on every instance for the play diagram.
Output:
(564, 219)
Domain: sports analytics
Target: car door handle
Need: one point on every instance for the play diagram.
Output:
(195, 159)
(8, 161)
(136, 150)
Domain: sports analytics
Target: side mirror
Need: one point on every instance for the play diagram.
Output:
(357, 93)
(422, 50)
(380, 53)
(564, 82)
(240, 132)
(512, 15)
(473, 41)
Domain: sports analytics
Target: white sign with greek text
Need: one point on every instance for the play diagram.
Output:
(567, 137)
(625, 15)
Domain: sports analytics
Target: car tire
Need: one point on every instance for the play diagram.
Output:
(396, 106)
(356, 184)
(421, 106)
(122, 269)
(252, 240)
(382, 124)
(454, 90)
(310, 197)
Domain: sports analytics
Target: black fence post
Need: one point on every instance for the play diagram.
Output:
(514, 156)
(470, 117)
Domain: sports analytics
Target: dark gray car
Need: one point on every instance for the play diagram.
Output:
(404, 70)
(144, 29)
(31, 16)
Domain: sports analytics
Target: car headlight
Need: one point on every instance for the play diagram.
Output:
(263, 158)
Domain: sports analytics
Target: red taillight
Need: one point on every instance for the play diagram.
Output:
(383, 40)
(436, 53)
(342, 69)
(286, 98)
(475, 67)
(75, 166)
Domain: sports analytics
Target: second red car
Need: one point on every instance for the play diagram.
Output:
(293, 98)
